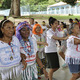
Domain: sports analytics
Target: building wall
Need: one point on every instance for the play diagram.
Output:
(64, 9)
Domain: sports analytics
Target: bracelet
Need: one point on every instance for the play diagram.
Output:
(43, 68)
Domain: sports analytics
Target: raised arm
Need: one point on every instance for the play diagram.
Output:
(42, 43)
(59, 38)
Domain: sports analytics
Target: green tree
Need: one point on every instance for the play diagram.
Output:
(15, 8)
(52, 1)
(6, 4)
(71, 2)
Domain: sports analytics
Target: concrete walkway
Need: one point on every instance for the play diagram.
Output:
(62, 73)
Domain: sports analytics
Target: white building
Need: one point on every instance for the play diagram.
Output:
(63, 8)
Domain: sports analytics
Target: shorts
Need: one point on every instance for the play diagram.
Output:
(53, 60)
(74, 68)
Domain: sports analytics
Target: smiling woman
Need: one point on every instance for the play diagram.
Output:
(29, 45)
(10, 63)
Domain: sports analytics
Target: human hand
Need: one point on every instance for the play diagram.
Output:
(66, 37)
(24, 64)
(45, 44)
(23, 56)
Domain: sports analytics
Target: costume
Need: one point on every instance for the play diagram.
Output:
(10, 66)
(72, 56)
(41, 53)
(30, 49)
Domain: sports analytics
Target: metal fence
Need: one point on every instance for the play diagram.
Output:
(25, 10)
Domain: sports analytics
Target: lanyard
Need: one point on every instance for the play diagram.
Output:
(11, 47)
(28, 47)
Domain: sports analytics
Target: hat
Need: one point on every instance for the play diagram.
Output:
(11, 19)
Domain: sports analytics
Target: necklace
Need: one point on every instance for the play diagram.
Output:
(11, 57)
(28, 47)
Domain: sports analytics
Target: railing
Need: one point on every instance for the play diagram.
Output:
(60, 11)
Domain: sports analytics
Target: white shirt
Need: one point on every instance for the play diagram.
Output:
(31, 59)
(73, 51)
(6, 53)
(51, 42)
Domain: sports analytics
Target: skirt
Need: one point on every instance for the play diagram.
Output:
(53, 60)
(17, 78)
(74, 68)
(30, 73)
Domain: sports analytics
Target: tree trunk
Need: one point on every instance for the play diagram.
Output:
(15, 8)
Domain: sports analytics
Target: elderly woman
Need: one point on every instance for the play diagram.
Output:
(30, 47)
(10, 60)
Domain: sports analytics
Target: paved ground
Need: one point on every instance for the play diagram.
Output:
(62, 73)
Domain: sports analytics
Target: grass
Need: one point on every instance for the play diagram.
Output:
(59, 17)
(1, 17)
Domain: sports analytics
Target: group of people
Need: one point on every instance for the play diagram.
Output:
(27, 49)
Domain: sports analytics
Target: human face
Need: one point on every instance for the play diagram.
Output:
(8, 29)
(25, 32)
(76, 29)
(54, 25)
(38, 29)
(61, 25)
(31, 21)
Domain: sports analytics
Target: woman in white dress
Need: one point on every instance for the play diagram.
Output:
(10, 53)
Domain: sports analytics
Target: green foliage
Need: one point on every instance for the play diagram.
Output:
(71, 2)
(51, 1)
(35, 5)
(6, 4)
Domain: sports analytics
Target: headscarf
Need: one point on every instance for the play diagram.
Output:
(19, 27)
(34, 29)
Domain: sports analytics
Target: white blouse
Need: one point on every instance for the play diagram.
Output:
(10, 59)
(73, 51)
(51, 42)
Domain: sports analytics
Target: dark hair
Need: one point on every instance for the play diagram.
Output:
(36, 22)
(43, 21)
(32, 19)
(5, 17)
(64, 25)
(2, 23)
(76, 19)
(52, 20)
(70, 20)
(58, 22)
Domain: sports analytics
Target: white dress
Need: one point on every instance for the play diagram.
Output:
(10, 67)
